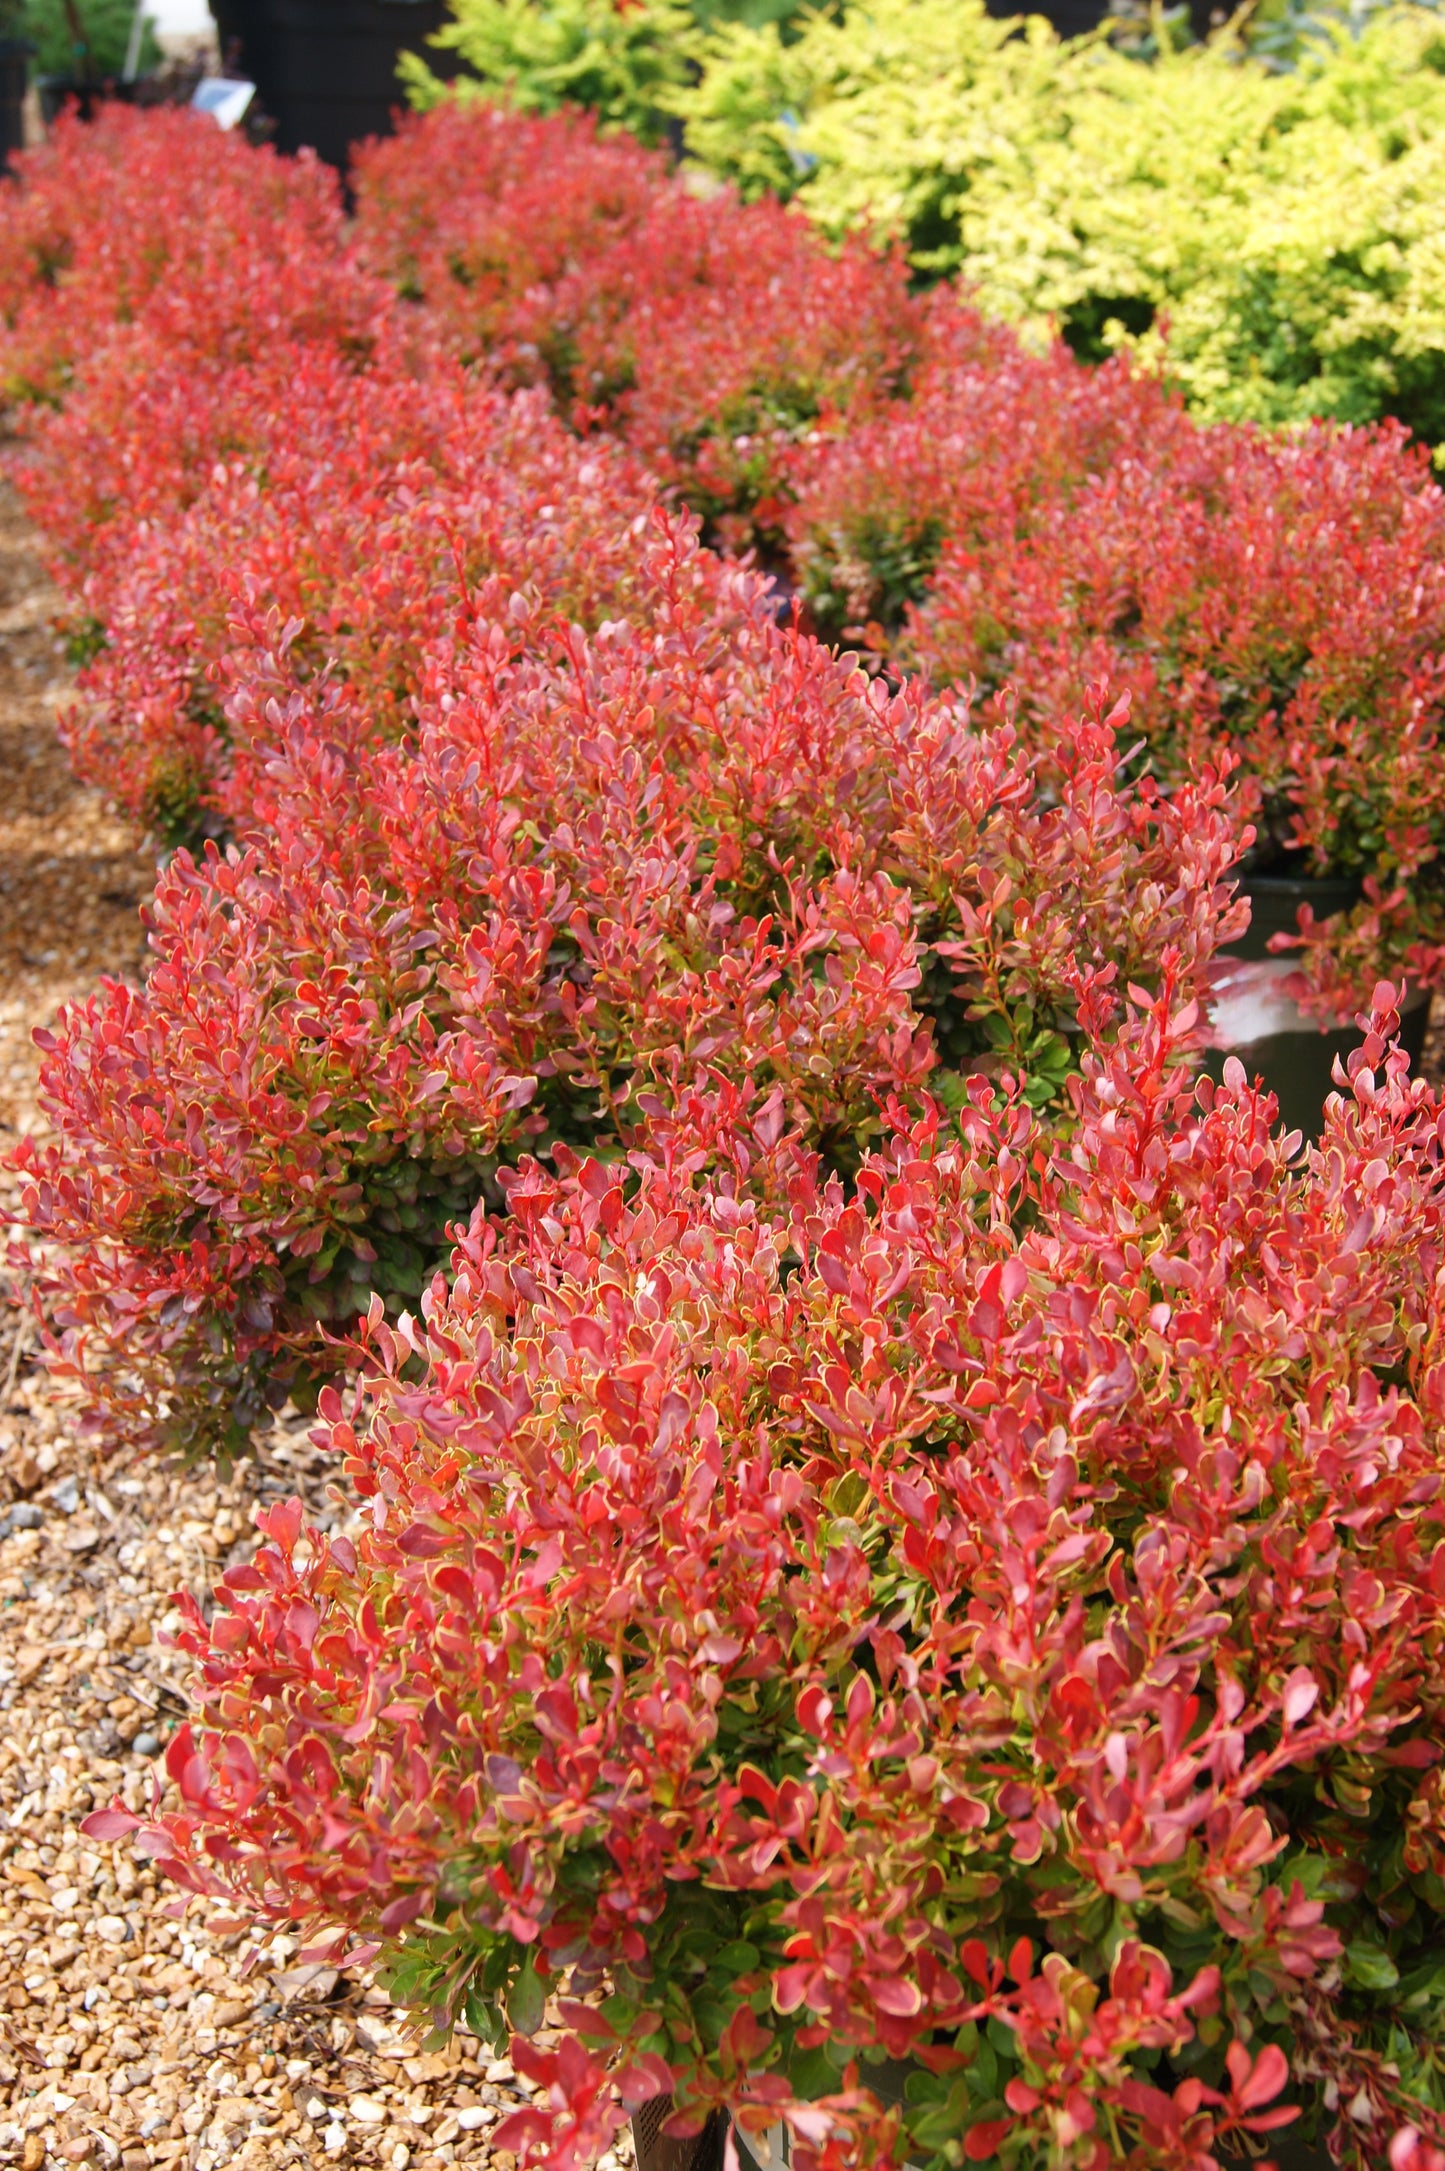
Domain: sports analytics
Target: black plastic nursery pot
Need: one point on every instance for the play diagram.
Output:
(85, 95)
(325, 70)
(658, 2151)
(1253, 1018)
(14, 74)
(888, 2081)
(1071, 18)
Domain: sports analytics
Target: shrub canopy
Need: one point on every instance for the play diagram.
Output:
(990, 1613)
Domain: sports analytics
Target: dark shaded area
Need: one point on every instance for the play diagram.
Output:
(1084, 325)
(325, 70)
(14, 65)
(1071, 18)
(1298, 1067)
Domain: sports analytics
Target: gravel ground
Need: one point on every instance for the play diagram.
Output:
(129, 2035)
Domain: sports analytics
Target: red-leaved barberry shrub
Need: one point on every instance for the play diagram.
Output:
(1027, 525)
(1284, 596)
(135, 442)
(719, 336)
(1042, 525)
(713, 334)
(350, 523)
(602, 874)
(152, 221)
(986, 1614)
(991, 440)
(919, 1531)
(470, 208)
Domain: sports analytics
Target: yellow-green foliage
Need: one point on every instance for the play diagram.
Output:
(623, 63)
(1289, 226)
(881, 114)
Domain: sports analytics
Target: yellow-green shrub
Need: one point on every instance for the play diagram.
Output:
(1286, 225)
(623, 62)
(619, 62)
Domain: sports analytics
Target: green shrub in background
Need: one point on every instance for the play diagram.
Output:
(625, 63)
(882, 113)
(1286, 223)
(107, 26)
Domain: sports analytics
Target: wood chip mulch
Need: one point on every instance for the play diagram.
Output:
(130, 2035)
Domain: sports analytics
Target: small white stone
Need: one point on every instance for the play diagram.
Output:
(113, 1928)
(475, 2114)
(366, 2111)
(335, 2140)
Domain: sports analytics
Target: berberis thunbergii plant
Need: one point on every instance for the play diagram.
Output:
(790, 1636)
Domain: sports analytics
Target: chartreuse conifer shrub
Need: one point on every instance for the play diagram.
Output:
(623, 64)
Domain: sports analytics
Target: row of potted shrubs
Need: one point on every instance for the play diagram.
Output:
(929, 490)
(902, 1526)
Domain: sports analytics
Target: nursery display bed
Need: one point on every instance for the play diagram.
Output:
(887, 1516)
(128, 2037)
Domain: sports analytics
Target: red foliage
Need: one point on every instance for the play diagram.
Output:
(1285, 596)
(1041, 525)
(720, 336)
(991, 441)
(989, 1612)
(348, 526)
(1038, 528)
(714, 335)
(607, 882)
(152, 222)
(472, 208)
(917, 1531)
